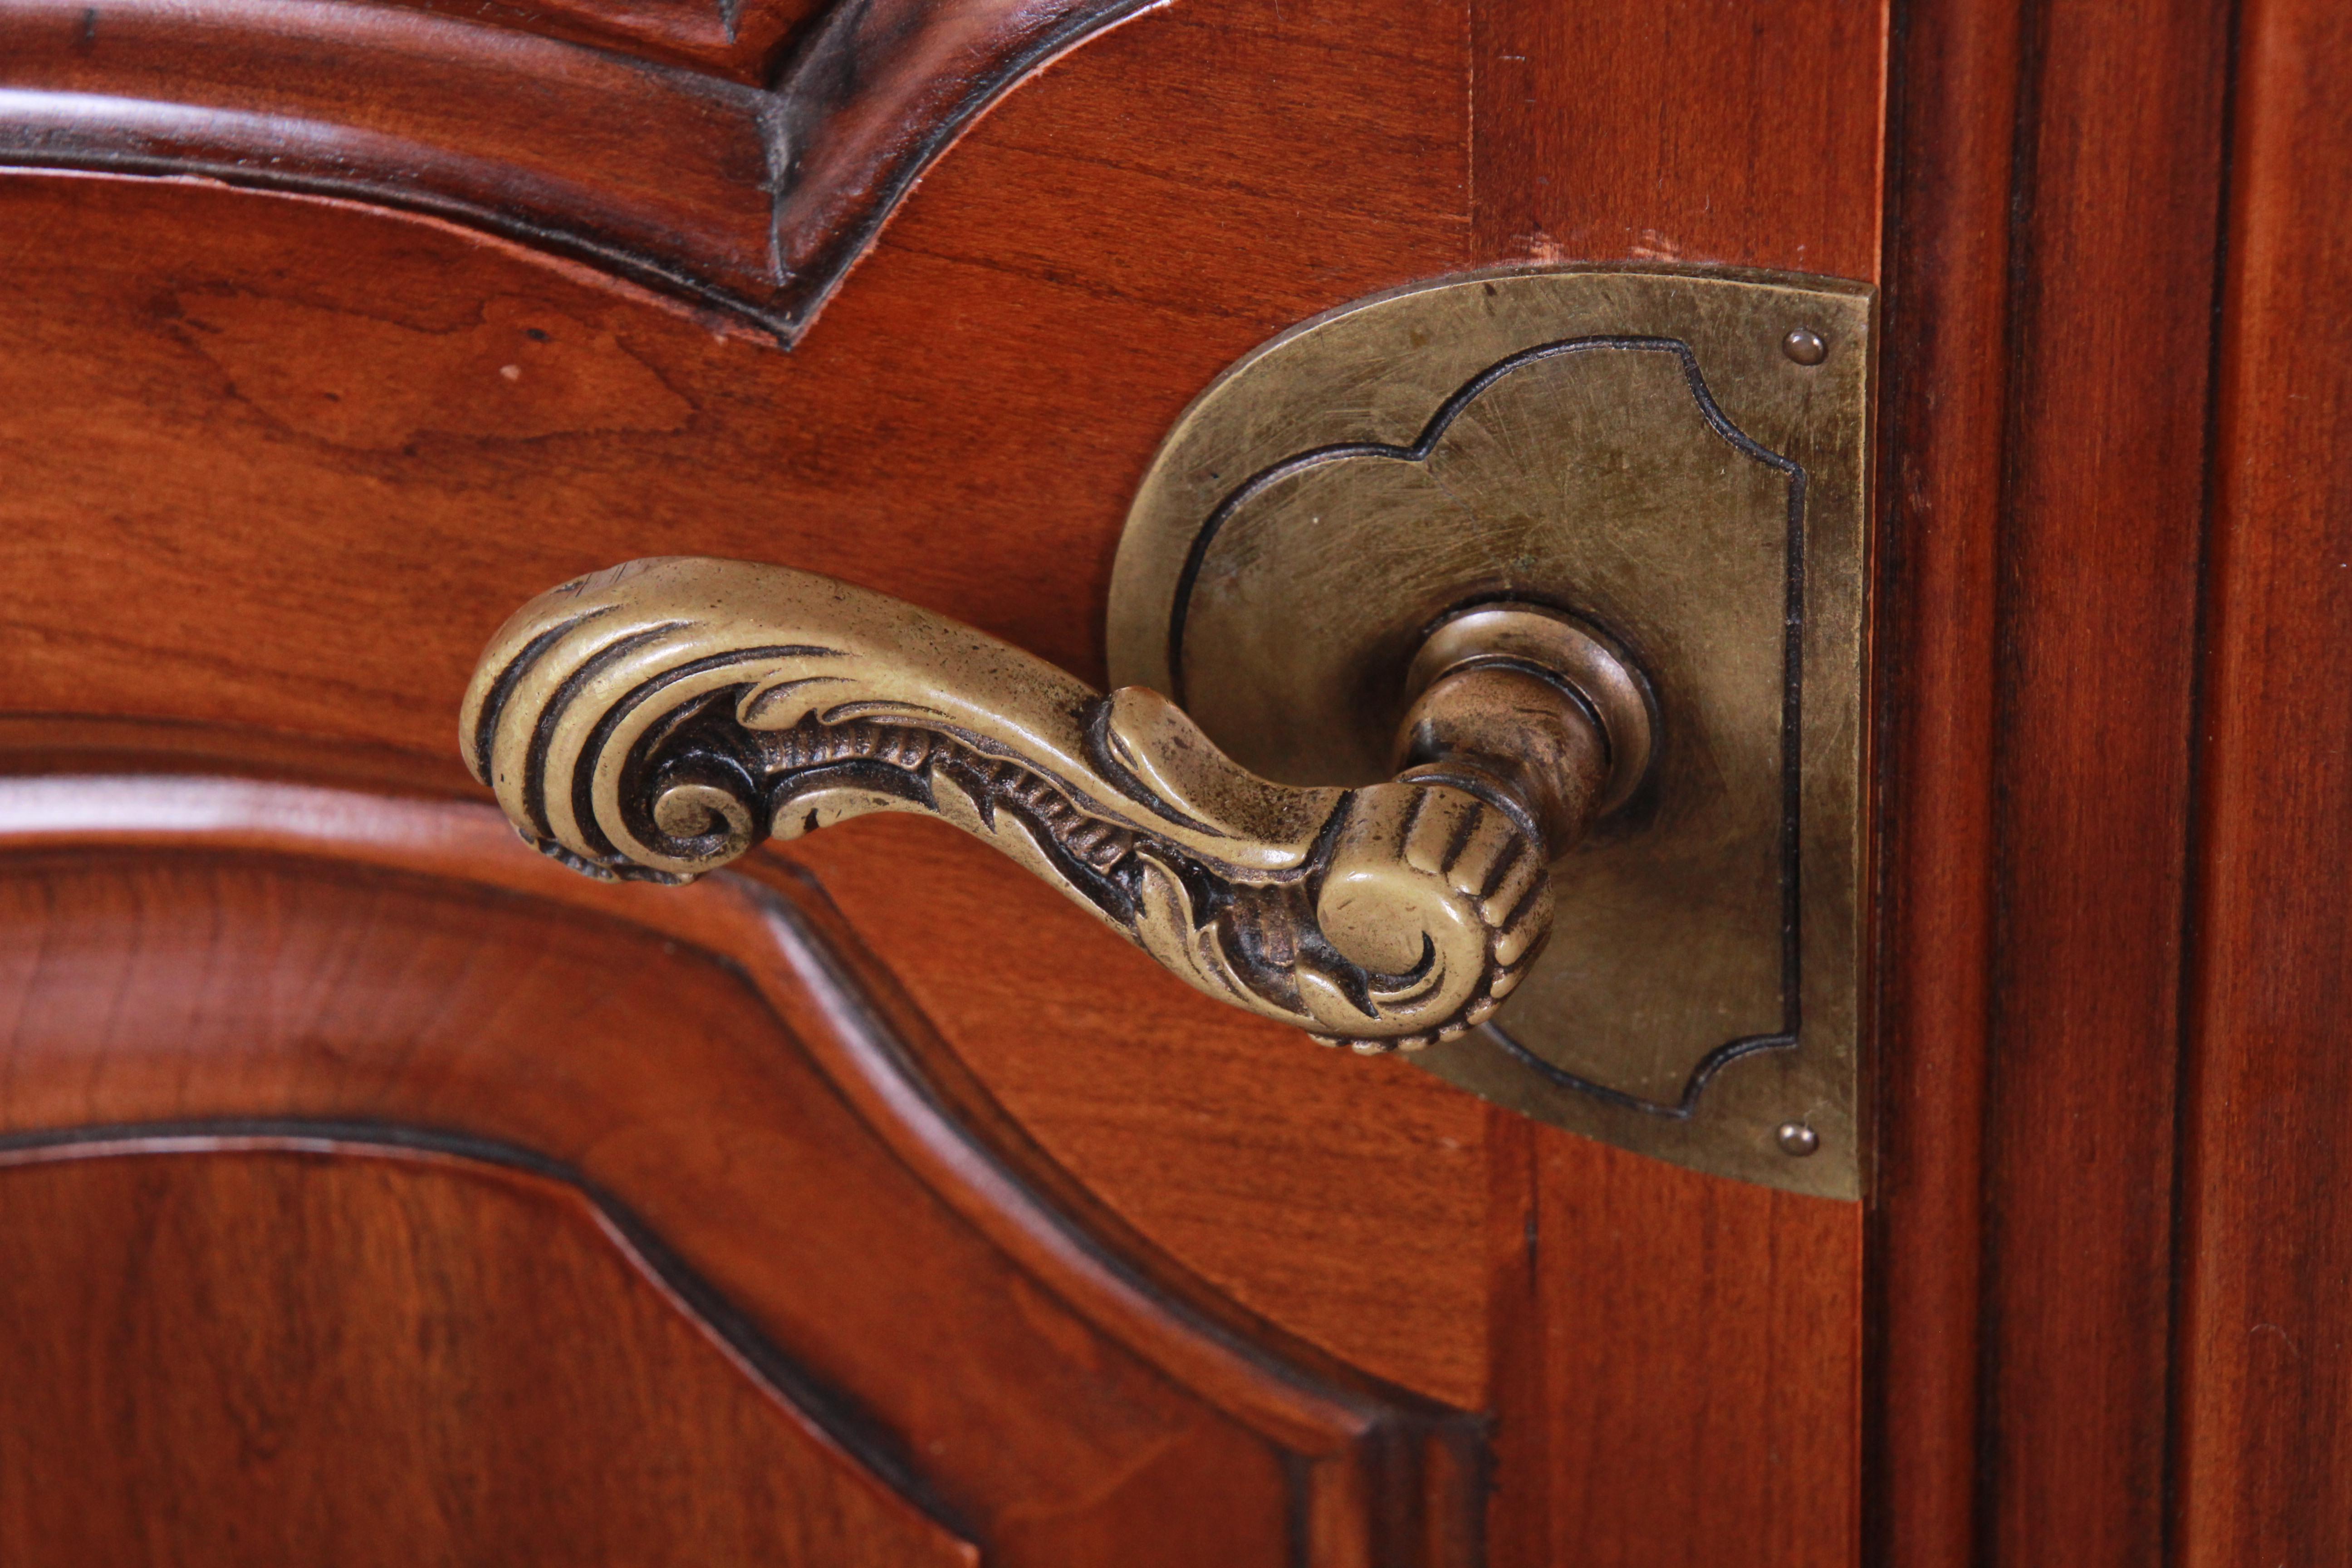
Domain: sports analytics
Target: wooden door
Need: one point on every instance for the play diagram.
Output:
(373, 1189)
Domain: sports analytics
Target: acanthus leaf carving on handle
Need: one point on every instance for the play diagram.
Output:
(658, 719)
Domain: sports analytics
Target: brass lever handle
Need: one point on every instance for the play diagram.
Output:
(658, 720)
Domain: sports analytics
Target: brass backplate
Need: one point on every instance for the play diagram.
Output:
(1678, 458)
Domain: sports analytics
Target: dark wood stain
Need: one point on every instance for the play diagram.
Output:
(714, 1066)
(1677, 1362)
(2103, 530)
(744, 190)
(1117, 1251)
(1943, 423)
(2262, 1472)
(964, 432)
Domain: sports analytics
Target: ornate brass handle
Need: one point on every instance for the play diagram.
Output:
(658, 720)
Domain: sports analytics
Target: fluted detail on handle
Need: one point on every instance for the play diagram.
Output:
(658, 719)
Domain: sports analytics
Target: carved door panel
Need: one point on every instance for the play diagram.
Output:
(373, 1188)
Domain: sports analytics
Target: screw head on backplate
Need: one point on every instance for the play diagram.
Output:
(1805, 346)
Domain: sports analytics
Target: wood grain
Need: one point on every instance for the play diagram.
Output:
(2264, 1474)
(1381, 1183)
(293, 1358)
(739, 40)
(1686, 1385)
(745, 192)
(964, 434)
(1676, 1363)
(2115, 261)
(278, 430)
(411, 964)
(1681, 130)
(1943, 425)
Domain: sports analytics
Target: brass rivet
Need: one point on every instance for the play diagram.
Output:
(1805, 346)
(1797, 1140)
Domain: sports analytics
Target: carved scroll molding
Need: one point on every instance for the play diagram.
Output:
(656, 721)
(716, 155)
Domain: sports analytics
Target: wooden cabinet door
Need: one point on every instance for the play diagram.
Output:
(372, 1189)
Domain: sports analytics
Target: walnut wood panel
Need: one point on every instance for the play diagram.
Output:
(1683, 1387)
(1943, 414)
(1693, 132)
(279, 429)
(192, 949)
(742, 39)
(748, 198)
(1383, 1179)
(1681, 130)
(2264, 1474)
(311, 406)
(2114, 255)
(293, 1358)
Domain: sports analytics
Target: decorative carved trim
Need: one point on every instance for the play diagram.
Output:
(656, 720)
(1366, 1453)
(751, 201)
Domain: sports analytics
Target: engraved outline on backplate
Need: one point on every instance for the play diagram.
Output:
(1386, 379)
(1792, 1004)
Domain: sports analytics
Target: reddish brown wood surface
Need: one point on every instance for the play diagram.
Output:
(2263, 1469)
(2102, 532)
(744, 190)
(204, 1350)
(312, 457)
(206, 948)
(324, 453)
(1625, 1438)
(1677, 1362)
(741, 39)
(1187, 1114)
(1680, 131)
(1943, 415)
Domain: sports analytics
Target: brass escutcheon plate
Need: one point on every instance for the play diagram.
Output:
(1650, 450)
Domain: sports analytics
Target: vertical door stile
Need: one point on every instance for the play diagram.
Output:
(2261, 1472)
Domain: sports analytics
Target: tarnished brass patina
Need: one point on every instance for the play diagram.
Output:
(658, 720)
(1643, 450)
(1521, 604)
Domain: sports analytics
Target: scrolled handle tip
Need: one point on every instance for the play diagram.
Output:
(600, 715)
